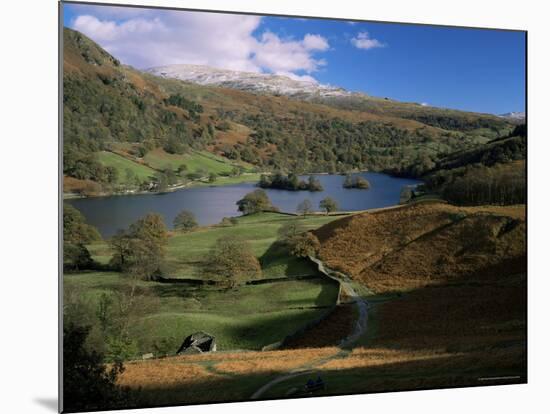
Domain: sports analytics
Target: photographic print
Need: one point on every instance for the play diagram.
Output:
(262, 207)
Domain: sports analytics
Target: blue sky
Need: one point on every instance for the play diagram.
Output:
(469, 69)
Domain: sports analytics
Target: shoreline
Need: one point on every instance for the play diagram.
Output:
(244, 178)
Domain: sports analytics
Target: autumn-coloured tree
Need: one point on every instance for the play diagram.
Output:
(304, 244)
(141, 249)
(233, 261)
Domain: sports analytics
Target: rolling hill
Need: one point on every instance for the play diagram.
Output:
(446, 279)
(261, 83)
(492, 173)
(423, 244)
(112, 107)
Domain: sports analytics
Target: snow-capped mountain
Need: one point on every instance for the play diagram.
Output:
(518, 116)
(247, 81)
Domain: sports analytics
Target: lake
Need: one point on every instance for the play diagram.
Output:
(211, 204)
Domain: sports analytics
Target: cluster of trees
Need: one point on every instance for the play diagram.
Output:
(327, 204)
(308, 142)
(437, 117)
(290, 182)
(258, 201)
(244, 152)
(76, 235)
(181, 101)
(86, 166)
(493, 173)
(88, 383)
(255, 202)
(478, 184)
(501, 150)
(140, 250)
(455, 121)
(356, 182)
(511, 147)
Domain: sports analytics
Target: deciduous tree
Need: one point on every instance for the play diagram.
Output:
(304, 207)
(233, 261)
(328, 204)
(185, 221)
(304, 244)
(141, 249)
(255, 202)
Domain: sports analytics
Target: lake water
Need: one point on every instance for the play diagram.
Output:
(211, 204)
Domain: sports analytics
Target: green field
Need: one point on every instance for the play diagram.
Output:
(187, 250)
(249, 317)
(195, 161)
(123, 164)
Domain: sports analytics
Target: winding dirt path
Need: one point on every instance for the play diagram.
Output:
(346, 287)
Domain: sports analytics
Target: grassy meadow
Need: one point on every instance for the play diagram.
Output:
(195, 161)
(245, 318)
(186, 251)
(249, 317)
(123, 164)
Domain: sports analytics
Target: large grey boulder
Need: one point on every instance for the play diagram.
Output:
(197, 343)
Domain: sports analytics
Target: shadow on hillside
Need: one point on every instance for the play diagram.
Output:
(278, 253)
(484, 311)
(433, 372)
(272, 327)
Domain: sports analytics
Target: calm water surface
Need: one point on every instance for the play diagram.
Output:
(211, 204)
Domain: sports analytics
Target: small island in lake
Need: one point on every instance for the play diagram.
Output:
(356, 182)
(290, 182)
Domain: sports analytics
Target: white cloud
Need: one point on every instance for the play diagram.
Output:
(277, 55)
(145, 38)
(364, 41)
(108, 31)
(166, 37)
(315, 42)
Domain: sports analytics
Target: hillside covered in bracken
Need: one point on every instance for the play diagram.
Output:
(446, 278)
(425, 244)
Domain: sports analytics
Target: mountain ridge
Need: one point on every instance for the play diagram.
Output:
(277, 84)
(514, 116)
(247, 81)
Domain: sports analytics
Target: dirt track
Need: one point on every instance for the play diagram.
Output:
(359, 330)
